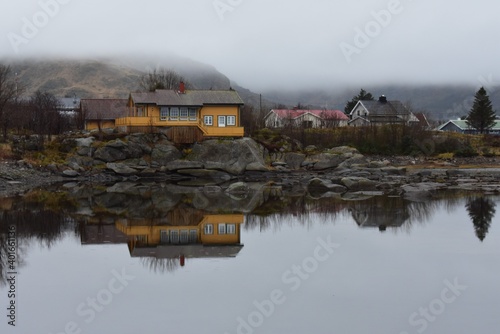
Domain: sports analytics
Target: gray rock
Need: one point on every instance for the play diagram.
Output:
(206, 174)
(343, 150)
(318, 186)
(84, 142)
(359, 183)
(326, 160)
(294, 160)
(109, 154)
(232, 156)
(237, 188)
(183, 164)
(256, 167)
(164, 153)
(393, 170)
(70, 173)
(120, 168)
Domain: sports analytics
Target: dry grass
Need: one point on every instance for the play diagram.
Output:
(6, 152)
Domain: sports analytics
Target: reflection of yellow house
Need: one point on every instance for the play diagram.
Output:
(186, 115)
(213, 236)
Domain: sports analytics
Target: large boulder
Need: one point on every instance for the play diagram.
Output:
(354, 183)
(326, 160)
(232, 156)
(109, 154)
(163, 153)
(294, 160)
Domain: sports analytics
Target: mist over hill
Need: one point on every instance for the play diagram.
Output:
(116, 77)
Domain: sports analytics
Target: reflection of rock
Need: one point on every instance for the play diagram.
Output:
(318, 187)
(354, 183)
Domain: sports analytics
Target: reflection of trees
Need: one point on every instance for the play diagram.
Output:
(33, 223)
(160, 265)
(481, 211)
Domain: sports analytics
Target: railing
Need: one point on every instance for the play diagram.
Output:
(209, 131)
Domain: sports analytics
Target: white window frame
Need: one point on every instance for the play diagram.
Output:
(208, 229)
(174, 237)
(208, 120)
(231, 228)
(184, 114)
(174, 114)
(221, 121)
(231, 120)
(221, 229)
(192, 114)
(163, 113)
(164, 236)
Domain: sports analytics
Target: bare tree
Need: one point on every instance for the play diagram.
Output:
(161, 79)
(45, 117)
(9, 93)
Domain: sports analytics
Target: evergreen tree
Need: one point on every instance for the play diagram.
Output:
(481, 117)
(481, 211)
(363, 95)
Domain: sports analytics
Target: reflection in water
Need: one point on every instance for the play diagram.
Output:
(481, 211)
(166, 225)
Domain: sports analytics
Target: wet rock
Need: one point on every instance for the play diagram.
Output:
(359, 183)
(109, 154)
(183, 164)
(121, 169)
(319, 186)
(237, 188)
(70, 173)
(164, 153)
(294, 160)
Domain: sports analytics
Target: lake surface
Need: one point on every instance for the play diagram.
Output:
(159, 259)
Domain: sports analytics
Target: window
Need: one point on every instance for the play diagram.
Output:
(174, 237)
(231, 120)
(231, 228)
(164, 236)
(140, 112)
(184, 114)
(192, 114)
(208, 229)
(208, 120)
(163, 113)
(184, 236)
(222, 228)
(222, 121)
(174, 114)
(193, 236)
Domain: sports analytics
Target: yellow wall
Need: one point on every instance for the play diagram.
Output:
(152, 233)
(221, 111)
(94, 125)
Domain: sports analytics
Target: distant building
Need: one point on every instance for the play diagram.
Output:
(461, 126)
(380, 112)
(69, 105)
(102, 113)
(278, 118)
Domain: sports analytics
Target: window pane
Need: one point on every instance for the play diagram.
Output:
(222, 228)
(208, 120)
(164, 236)
(231, 228)
(184, 236)
(231, 120)
(174, 237)
(163, 113)
(174, 114)
(208, 229)
(192, 114)
(184, 114)
(193, 236)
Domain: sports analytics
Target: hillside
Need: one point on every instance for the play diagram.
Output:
(117, 77)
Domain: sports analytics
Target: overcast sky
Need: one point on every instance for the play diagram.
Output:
(264, 43)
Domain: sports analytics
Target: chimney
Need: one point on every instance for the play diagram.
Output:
(182, 87)
(382, 99)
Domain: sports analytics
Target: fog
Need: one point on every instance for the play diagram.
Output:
(271, 44)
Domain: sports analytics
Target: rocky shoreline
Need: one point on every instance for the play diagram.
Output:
(339, 171)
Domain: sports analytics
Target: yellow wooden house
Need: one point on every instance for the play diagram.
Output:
(217, 235)
(185, 115)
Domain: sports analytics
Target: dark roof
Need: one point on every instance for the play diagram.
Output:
(422, 119)
(377, 108)
(94, 234)
(189, 251)
(104, 108)
(296, 113)
(190, 98)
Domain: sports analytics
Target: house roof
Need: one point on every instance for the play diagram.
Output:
(190, 98)
(422, 119)
(462, 125)
(378, 108)
(104, 108)
(189, 251)
(323, 114)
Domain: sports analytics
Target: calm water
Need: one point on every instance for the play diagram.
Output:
(159, 259)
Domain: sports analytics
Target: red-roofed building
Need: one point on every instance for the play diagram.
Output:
(279, 118)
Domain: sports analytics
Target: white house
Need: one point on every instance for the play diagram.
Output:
(278, 118)
(381, 111)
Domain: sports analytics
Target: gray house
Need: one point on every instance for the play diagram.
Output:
(380, 112)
